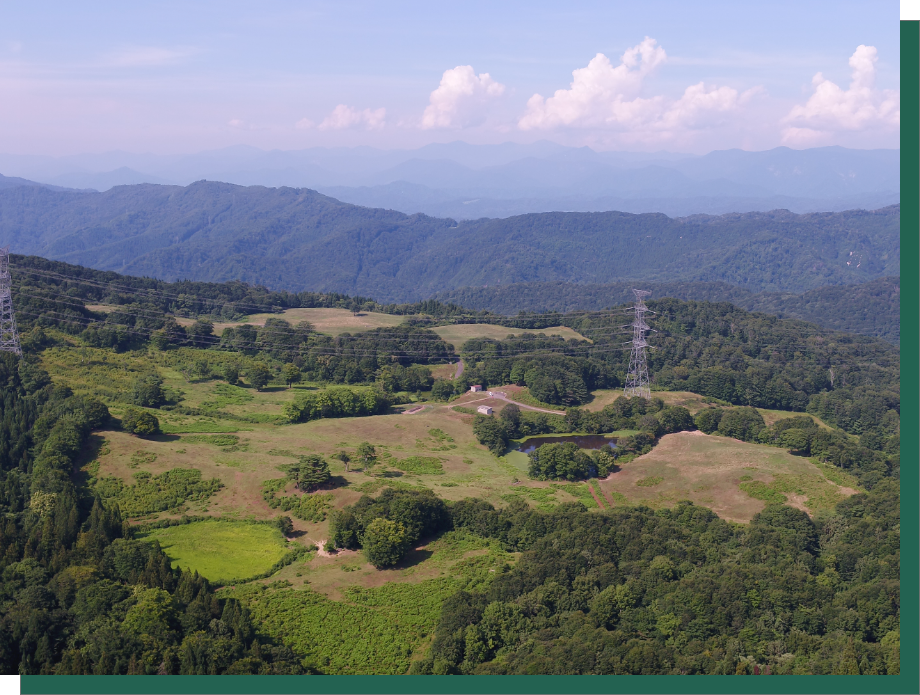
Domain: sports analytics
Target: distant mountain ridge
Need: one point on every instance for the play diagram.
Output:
(298, 239)
(471, 181)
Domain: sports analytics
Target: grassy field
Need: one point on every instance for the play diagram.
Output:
(458, 334)
(329, 321)
(713, 471)
(222, 550)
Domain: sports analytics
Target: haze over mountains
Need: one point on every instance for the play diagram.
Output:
(463, 181)
(298, 239)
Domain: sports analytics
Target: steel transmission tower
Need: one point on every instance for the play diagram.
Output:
(637, 381)
(9, 338)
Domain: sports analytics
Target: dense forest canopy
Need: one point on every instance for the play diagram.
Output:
(298, 239)
(869, 308)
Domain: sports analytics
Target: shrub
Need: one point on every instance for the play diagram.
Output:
(384, 542)
(741, 423)
(148, 392)
(675, 419)
(140, 422)
(259, 375)
(707, 420)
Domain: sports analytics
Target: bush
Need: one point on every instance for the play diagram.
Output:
(675, 419)
(707, 420)
(384, 542)
(491, 433)
(560, 462)
(259, 375)
(741, 423)
(148, 392)
(140, 422)
(442, 390)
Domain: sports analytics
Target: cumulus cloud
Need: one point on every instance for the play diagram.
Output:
(344, 117)
(605, 96)
(460, 97)
(831, 109)
(304, 124)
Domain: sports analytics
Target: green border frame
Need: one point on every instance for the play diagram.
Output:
(907, 682)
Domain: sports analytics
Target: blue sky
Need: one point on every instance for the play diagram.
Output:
(172, 77)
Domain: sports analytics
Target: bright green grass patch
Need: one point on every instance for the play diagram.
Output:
(223, 395)
(651, 481)
(421, 465)
(201, 426)
(169, 491)
(762, 491)
(222, 551)
(373, 631)
(215, 440)
(837, 476)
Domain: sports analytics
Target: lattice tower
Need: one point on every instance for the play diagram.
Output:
(9, 337)
(637, 381)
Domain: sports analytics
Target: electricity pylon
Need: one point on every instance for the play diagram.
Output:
(9, 337)
(637, 381)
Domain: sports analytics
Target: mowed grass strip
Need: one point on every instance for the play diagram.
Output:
(222, 550)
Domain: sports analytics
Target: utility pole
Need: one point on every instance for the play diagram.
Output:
(9, 337)
(637, 381)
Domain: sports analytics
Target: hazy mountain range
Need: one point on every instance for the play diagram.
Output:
(298, 239)
(464, 181)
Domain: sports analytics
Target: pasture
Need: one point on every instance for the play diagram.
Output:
(458, 334)
(329, 321)
(713, 471)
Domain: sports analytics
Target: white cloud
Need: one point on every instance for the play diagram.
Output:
(343, 117)
(831, 109)
(304, 124)
(605, 97)
(460, 97)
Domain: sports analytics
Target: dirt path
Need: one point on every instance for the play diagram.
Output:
(459, 369)
(594, 495)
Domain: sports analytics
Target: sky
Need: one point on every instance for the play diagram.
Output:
(178, 77)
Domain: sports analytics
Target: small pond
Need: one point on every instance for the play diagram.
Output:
(584, 441)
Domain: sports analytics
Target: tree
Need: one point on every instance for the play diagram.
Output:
(796, 440)
(707, 420)
(285, 525)
(148, 392)
(384, 542)
(490, 432)
(343, 457)
(675, 419)
(309, 472)
(159, 340)
(259, 375)
(442, 390)
(231, 374)
(511, 419)
(291, 374)
(368, 455)
(743, 423)
(140, 422)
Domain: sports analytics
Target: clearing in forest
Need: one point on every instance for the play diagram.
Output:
(222, 550)
(329, 321)
(458, 334)
(733, 478)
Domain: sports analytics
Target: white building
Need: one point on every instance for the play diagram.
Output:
(484, 409)
(476, 389)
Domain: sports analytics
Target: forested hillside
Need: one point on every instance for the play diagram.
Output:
(297, 239)
(870, 308)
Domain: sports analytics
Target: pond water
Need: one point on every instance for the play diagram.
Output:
(584, 441)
